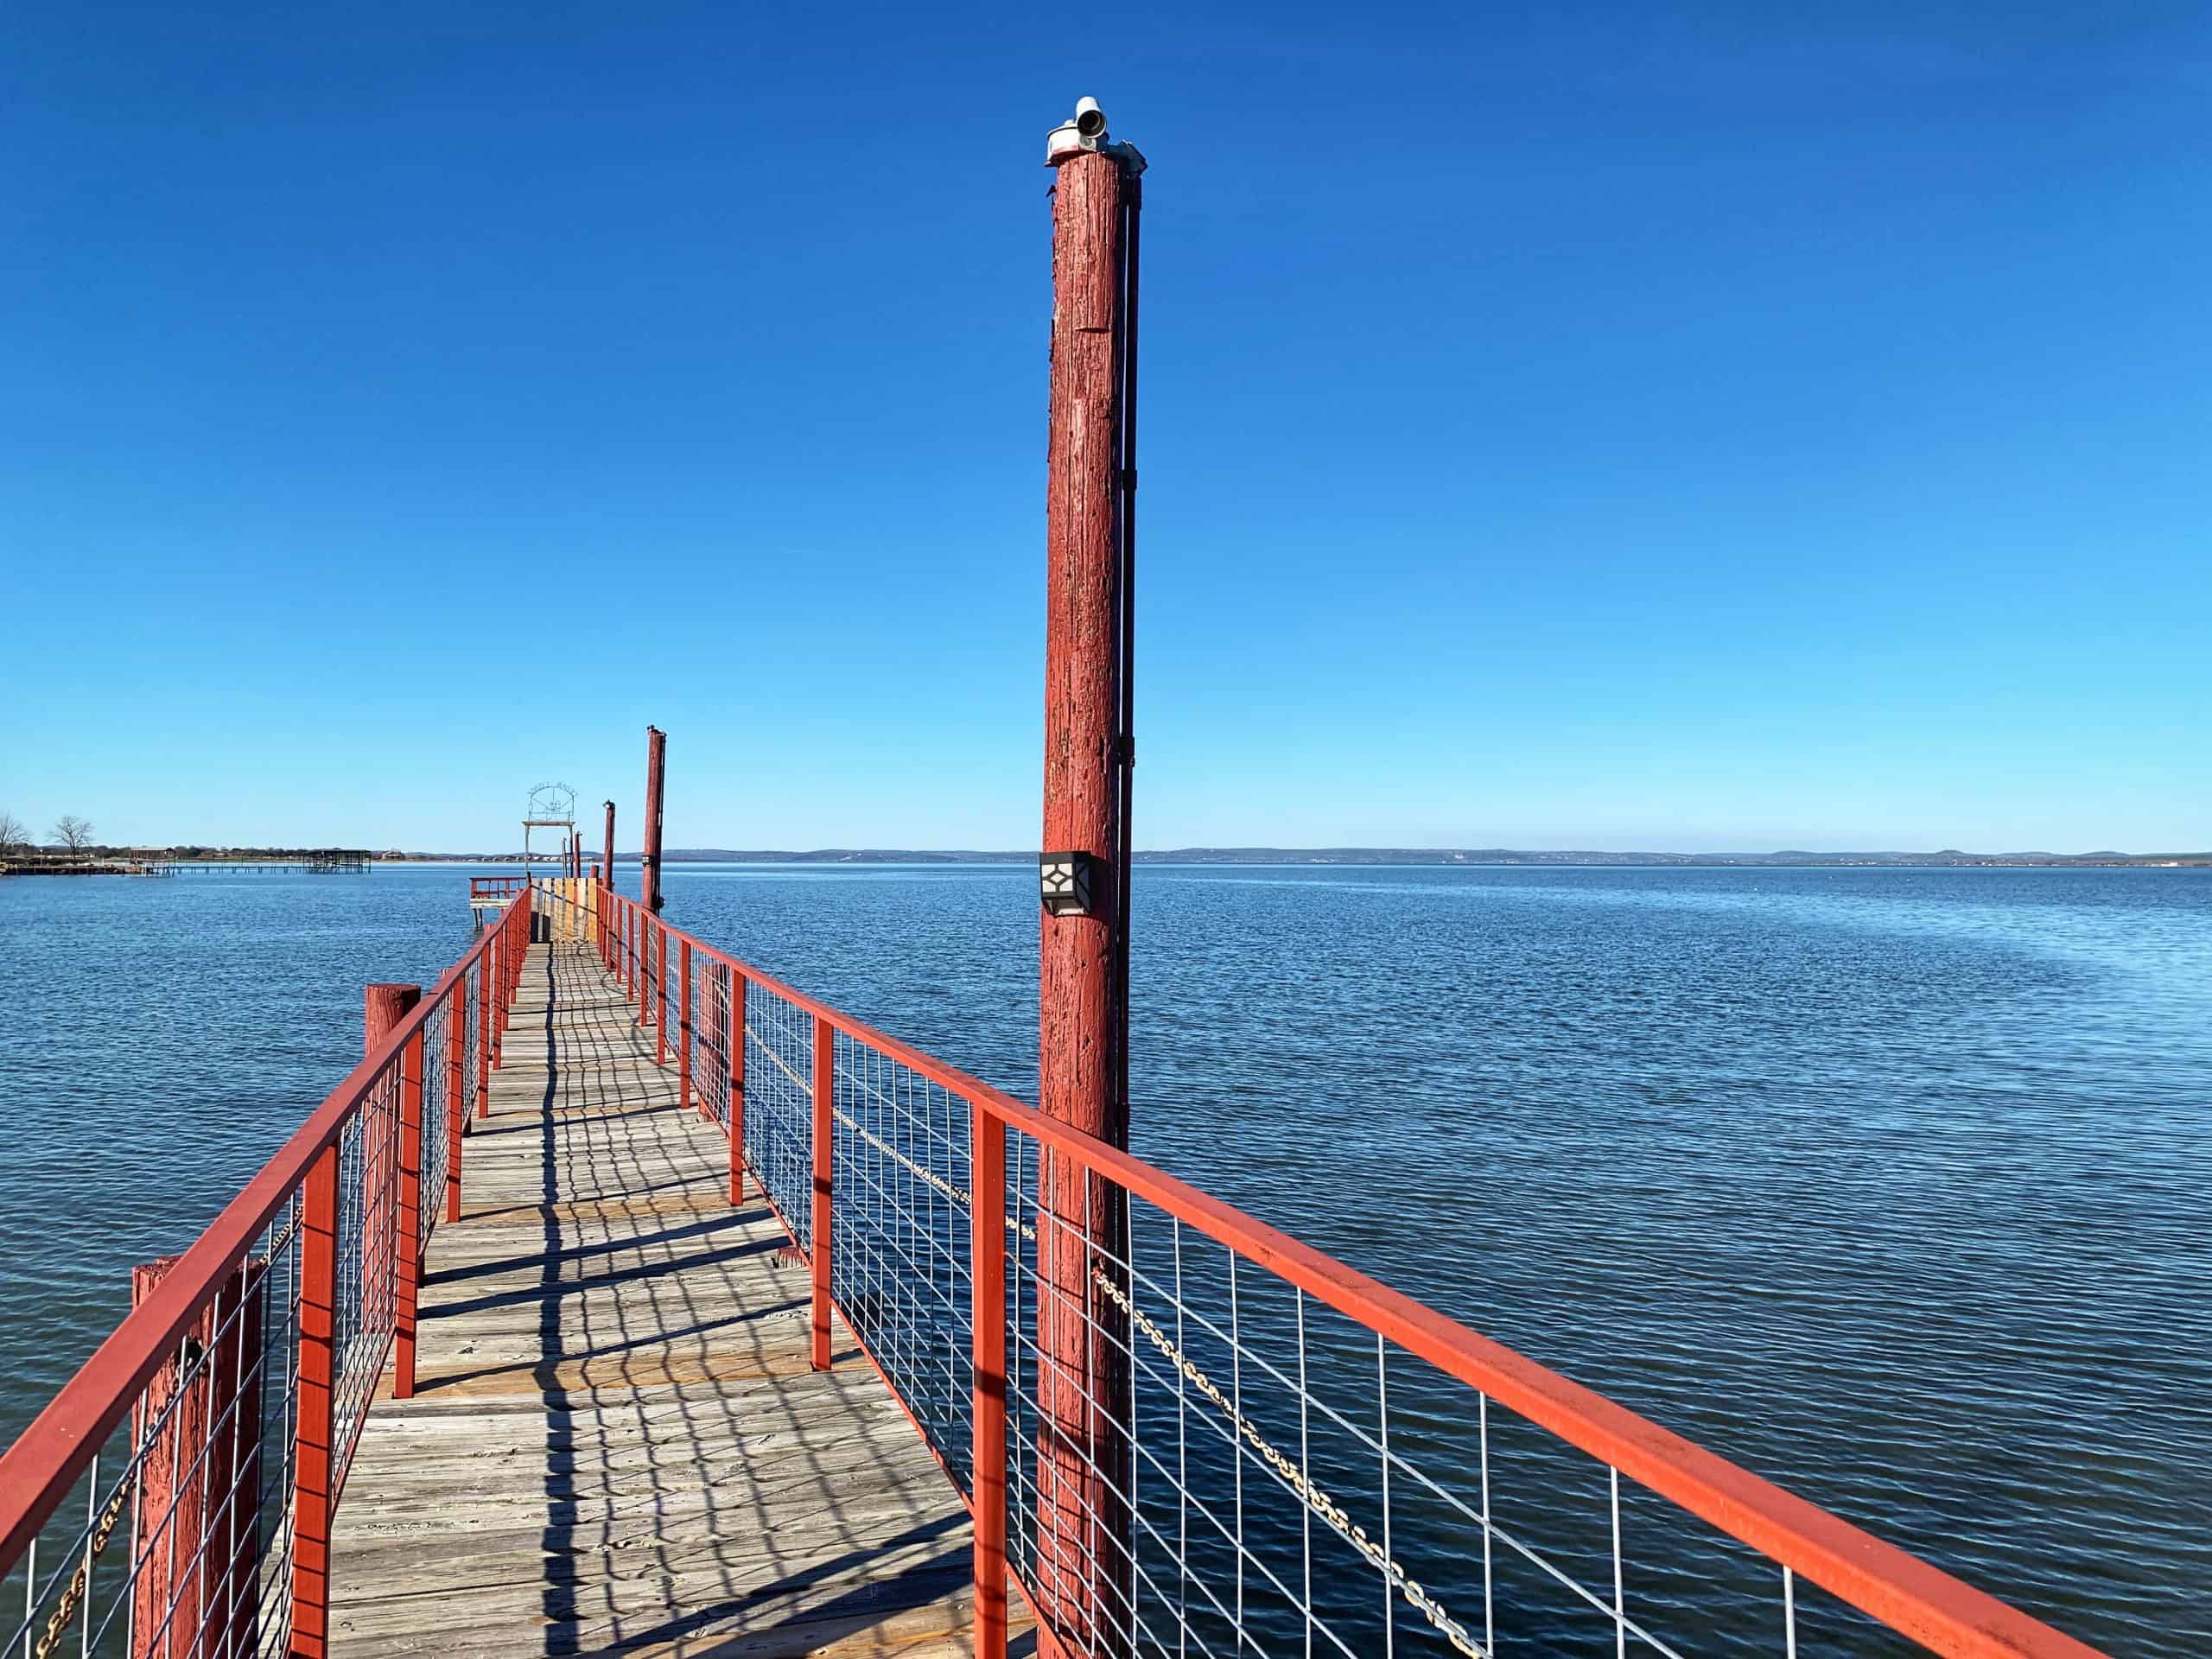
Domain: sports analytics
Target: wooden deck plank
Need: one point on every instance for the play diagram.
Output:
(617, 1444)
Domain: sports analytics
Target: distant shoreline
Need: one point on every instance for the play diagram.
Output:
(1418, 858)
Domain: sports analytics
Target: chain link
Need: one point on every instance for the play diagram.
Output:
(1292, 1473)
(57, 1622)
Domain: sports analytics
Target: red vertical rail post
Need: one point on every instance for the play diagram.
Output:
(683, 1027)
(495, 990)
(383, 1173)
(987, 1256)
(660, 994)
(1082, 1528)
(313, 1461)
(483, 994)
(825, 1041)
(656, 781)
(456, 1088)
(736, 1086)
(407, 1241)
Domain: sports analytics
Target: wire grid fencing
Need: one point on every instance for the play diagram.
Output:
(1253, 1470)
(440, 1089)
(779, 1106)
(368, 1246)
(1202, 1459)
(177, 1539)
(900, 1256)
(712, 1051)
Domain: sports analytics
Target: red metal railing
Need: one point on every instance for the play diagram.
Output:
(1305, 1460)
(494, 886)
(176, 1497)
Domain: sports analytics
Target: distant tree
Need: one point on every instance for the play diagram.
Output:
(12, 834)
(72, 833)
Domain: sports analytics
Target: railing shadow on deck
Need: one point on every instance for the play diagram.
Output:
(648, 1335)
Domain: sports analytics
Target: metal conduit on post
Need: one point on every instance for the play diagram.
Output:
(1083, 1523)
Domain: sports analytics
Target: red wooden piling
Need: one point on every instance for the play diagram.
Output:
(736, 1087)
(683, 1024)
(987, 1220)
(312, 1452)
(824, 1062)
(656, 780)
(1081, 1543)
(171, 1597)
(197, 1524)
(608, 871)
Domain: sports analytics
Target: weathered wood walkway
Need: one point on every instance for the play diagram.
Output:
(617, 1444)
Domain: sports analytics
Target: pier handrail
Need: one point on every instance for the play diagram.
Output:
(348, 1201)
(1938, 1611)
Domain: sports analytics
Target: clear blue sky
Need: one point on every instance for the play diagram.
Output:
(1657, 426)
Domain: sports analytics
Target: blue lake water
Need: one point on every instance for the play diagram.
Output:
(1890, 1184)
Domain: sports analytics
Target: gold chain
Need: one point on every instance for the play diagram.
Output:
(1292, 1475)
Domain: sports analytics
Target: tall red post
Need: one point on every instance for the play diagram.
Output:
(656, 777)
(1083, 1556)
(606, 875)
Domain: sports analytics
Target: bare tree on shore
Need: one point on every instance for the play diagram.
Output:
(72, 833)
(13, 834)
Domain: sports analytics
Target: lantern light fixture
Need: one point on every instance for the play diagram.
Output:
(1063, 882)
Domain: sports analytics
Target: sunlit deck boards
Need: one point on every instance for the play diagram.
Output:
(617, 1444)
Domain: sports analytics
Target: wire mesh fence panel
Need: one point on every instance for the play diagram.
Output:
(176, 1538)
(779, 1105)
(900, 1258)
(711, 1048)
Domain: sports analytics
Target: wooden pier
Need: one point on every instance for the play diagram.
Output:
(617, 1443)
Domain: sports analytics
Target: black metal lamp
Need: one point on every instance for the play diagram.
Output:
(1063, 882)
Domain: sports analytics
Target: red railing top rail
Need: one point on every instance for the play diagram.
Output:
(1942, 1613)
(36, 1471)
(481, 887)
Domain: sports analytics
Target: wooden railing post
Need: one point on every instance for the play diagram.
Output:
(456, 1090)
(496, 989)
(986, 1257)
(824, 1083)
(683, 1027)
(736, 1087)
(483, 980)
(313, 1454)
(407, 1241)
